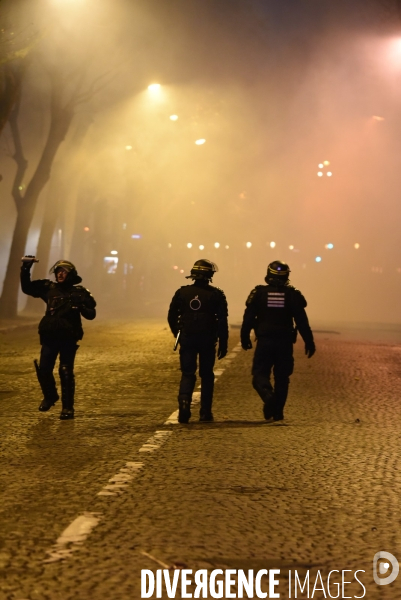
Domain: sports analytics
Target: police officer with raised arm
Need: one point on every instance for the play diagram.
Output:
(198, 314)
(59, 330)
(271, 311)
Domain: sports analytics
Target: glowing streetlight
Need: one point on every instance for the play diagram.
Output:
(272, 244)
(175, 267)
(173, 117)
(169, 245)
(249, 244)
(217, 245)
(189, 245)
(326, 163)
(329, 173)
(227, 247)
(200, 142)
(114, 252)
(128, 147)
(291, 247)
(319, 174)
(201, 247)
(320, 165)
(329, 246)
(154, 87)
(318, 259)
(356, 246)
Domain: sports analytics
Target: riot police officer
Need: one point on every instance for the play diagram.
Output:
(271, 311)
(198, 313)
(59, 329)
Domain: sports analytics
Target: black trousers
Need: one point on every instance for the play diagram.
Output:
(51, 348)
(275, 353)
(192, 346)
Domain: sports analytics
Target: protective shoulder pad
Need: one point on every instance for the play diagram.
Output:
(298, 297)
(253, 294)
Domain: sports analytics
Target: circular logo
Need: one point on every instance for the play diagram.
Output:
(195, 303)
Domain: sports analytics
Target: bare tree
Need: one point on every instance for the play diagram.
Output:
(61, 115)
(15, 50)
(54, 209)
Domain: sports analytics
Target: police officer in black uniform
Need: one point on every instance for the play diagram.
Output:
(271, 311)
(198, 312)
(59, 329)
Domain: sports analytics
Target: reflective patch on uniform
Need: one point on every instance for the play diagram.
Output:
(195, 303)
(275, 299)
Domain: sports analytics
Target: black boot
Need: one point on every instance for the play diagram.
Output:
(205, 413)
(48, 387)
(268, 405)
(67, 392)
(184, 408)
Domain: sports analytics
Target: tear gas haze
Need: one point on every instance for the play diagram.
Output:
(208, 128)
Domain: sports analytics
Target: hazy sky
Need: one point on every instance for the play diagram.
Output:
(275, 88)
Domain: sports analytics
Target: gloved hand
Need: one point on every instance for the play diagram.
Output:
(246, 344)
(26, 263)
(310, 349)
(222, 350)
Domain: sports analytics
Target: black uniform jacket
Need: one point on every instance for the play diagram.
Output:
(199, 308)
(65, 305)
(272, 310)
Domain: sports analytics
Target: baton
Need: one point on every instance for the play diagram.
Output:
(177, 339)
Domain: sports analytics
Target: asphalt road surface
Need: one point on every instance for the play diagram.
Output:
(85, 505)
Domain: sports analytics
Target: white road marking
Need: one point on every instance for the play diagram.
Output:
(75, 534)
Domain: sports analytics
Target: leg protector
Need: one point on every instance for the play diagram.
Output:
(206, 401)
(48, 387)
(184, 408)
(67, 391)
(265, 390)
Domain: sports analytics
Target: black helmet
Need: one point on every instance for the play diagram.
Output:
(277, 272)
(203, 269)
(68, 266)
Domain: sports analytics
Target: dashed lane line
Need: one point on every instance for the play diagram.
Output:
(76, 533)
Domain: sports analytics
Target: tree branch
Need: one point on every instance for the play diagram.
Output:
(18, 156)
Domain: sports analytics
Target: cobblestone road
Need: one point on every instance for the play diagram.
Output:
(321, 493)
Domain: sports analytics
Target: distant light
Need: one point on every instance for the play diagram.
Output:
(124, 225)
(226, 247)
(319, 174)
(356, 246)
(113, 252)
(249, 244)
(377, 118)
(329, 246)
(201, 247)
(217, 245)
(128, 147)
(291, 247)
(318, 259)
(86, 228)
(320, 165)
(154, 87)
(200, 142)
(326, 163)
(175, 267)
(329, 173)
(189, 245)
(272, 244)
(169, 245)
(181, 270)
(137, 236)
(173, 117)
